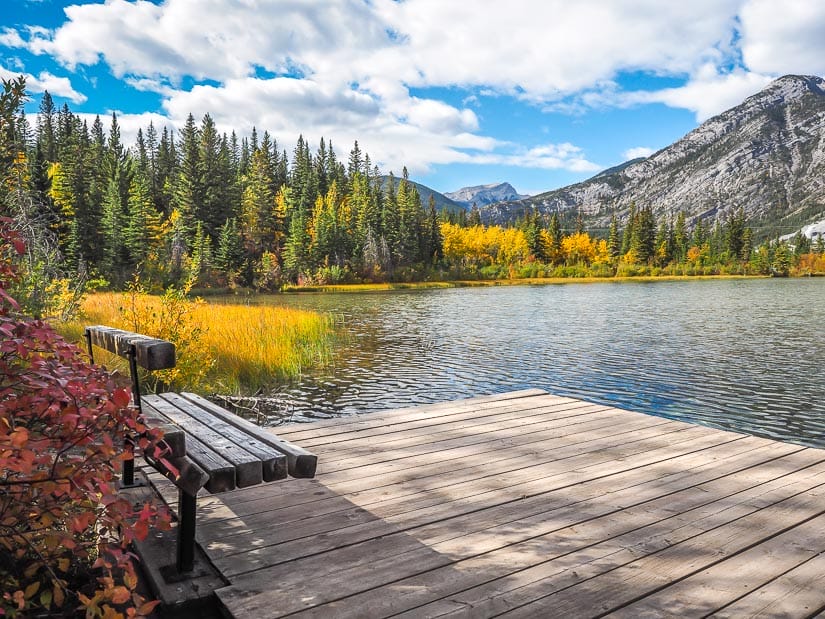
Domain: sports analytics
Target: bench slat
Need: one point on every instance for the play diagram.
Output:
(173, 435)
(274, 462)
(222, 472)
(301, 462)
(190, 477)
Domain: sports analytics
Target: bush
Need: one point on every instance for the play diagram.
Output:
(64, 532)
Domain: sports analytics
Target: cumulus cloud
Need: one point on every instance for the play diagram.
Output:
(784, 37)
(636, 152)
(708, 92)
(351, 69)
(60, 86)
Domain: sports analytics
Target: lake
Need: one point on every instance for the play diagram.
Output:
(742, 354)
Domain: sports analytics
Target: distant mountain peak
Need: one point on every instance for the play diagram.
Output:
(482, 195)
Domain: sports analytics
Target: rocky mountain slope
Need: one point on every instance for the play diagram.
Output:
(482, 195)
(766, 156)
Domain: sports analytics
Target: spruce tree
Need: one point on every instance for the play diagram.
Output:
(614, 245)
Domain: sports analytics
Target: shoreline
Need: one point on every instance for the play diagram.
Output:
(484, 283)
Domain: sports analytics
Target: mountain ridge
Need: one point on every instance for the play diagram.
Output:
(482, 195)
(765, 155)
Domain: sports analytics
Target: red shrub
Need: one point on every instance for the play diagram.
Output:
(62, 423)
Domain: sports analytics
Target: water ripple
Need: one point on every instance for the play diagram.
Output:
(745, 355)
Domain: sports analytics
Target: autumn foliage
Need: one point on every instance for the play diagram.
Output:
(64, 531)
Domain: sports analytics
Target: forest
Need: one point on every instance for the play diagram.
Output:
(207, 209)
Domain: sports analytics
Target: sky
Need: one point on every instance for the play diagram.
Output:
(538, 93)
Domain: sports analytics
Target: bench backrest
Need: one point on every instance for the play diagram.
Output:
(141, 350)
(149, 353)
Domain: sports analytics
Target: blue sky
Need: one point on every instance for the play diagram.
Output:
(540, 94)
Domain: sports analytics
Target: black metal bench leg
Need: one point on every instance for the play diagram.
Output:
(187, 508)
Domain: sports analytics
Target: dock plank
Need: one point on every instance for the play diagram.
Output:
(525, 504)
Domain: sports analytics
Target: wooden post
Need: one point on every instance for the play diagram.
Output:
(187, 508)
(128, 444)
(88, 335)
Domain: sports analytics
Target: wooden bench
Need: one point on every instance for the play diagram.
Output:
(209, 447)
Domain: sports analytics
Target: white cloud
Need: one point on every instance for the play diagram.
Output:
(60, 86)
(345, 68)
(638, 151)
(784, 37)
(544, 50)
(708, 92)
(11, 38)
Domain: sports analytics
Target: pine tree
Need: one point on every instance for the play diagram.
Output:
(614, 244)
(629, 229)
(532, 231)
(143, 228)
(229, 256)
(46, 138)
(554, 235)
(680, 238)
(643, 241)
(258, 206)
(188, 189)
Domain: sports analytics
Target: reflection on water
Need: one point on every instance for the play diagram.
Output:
(742, 354)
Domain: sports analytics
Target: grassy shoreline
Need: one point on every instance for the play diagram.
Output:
(222, 347)
(483, 283)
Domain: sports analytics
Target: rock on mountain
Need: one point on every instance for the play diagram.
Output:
(482, 195)
(766, 156)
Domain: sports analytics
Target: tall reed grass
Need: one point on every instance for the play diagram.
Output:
(222, 347)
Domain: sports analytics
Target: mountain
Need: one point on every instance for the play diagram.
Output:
(482, 195)
(442, 202)
(766, 156)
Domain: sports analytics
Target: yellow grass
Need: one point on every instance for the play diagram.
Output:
(241, 348)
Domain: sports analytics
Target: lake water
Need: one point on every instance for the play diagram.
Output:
(742, 354)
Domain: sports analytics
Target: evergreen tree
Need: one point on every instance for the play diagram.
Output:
(554, 235)
(532, 231)
(143, 227)
(700, 237)
(188, 189)
(614, 245)
(680, 238)
(747, 245)
(643, 241)
(46, 138)
(229, 256)
(474, 218)
(629, 229)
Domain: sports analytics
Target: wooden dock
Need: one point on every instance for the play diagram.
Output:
(525, 504)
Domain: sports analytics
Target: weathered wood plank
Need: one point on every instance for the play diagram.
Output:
(400, 414)
(799, 592)
(454, 512)
(368, 427)
(575, 528)
(188, 476)
(483, 511)
(623, 584)
(419, 492)
(210, 448)
(728, 580)
(273, 462)
(173, 435)
(301, 463)
(151, 353)
(559, 416)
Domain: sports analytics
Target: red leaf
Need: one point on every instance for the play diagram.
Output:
(121, 397)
